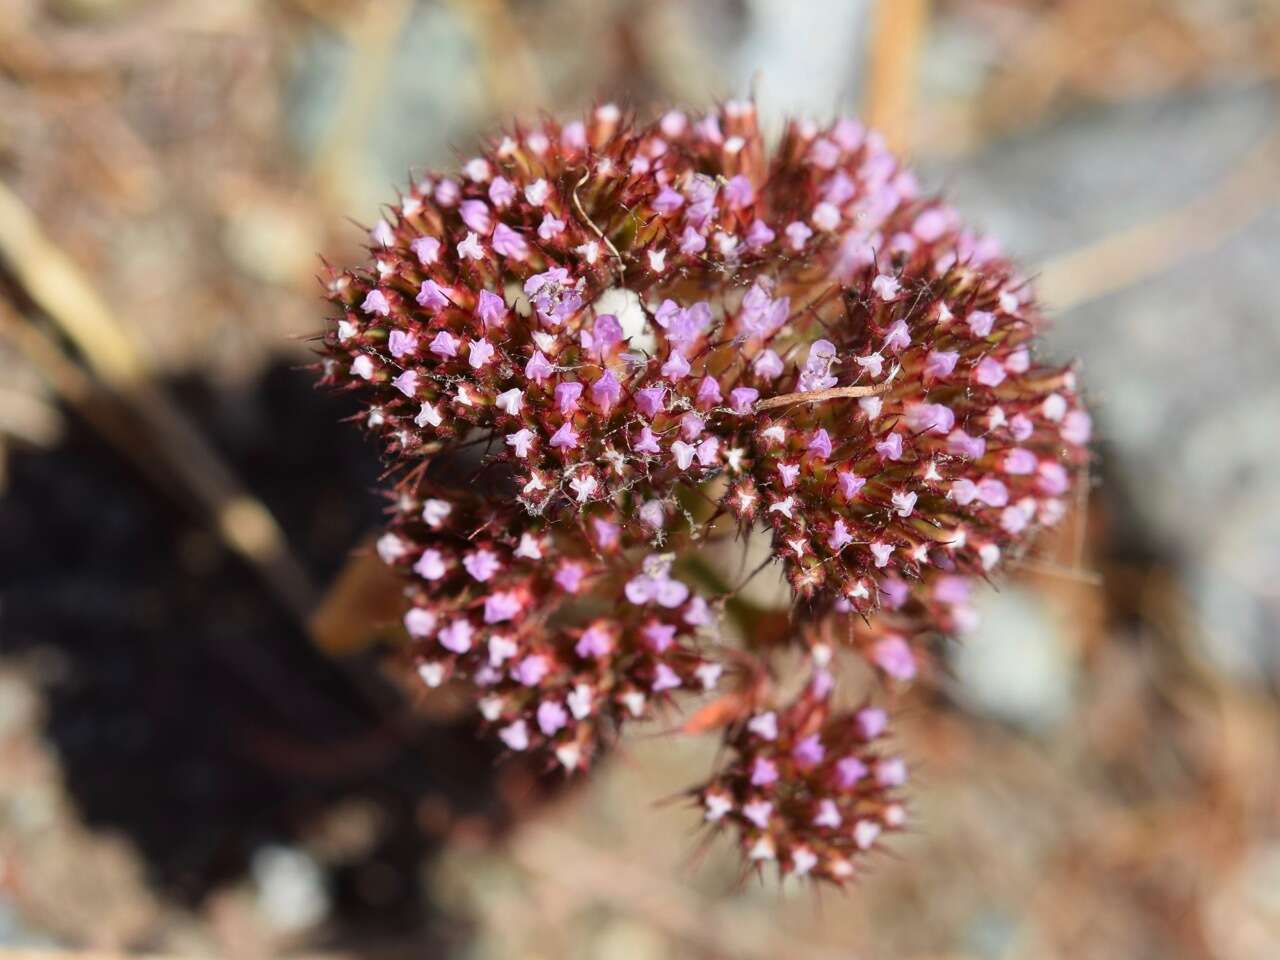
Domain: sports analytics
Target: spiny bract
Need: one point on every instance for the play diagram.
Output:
(604, 344)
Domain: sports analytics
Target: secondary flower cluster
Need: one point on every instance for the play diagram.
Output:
(805, 785)
(623, 341)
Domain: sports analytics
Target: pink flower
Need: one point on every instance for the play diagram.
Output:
(475, 214)
(566, 438)
(892, 655)
(481, 353)
(595, 641)
(376, 303)
(650, 400)
(763, 772)
(406, 383)
(552, 717)
(426, 249)
(664, 678)
(569, 576)
(430, 565)
(531, 670)
(431, 296)
(1019, 462)
(400, 343)
(501, 606)
(890, 447)
(508, 243)
(981, 323)
(538, 368)
(871, 722)
(521, 441)
(940, 363)
(606, 391)
(809, 752)
(481, 564)
(989, 372)
(444, 345)
(490, 309)
(456, 637)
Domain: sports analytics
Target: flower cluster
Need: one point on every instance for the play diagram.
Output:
(629, 339)
(805, 784)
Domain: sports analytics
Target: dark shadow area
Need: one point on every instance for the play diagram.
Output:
(186, 707)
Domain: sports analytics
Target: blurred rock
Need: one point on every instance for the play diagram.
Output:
(1017, 666)
(291, 894)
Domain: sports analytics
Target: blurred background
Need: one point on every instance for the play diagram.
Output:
(190, 766)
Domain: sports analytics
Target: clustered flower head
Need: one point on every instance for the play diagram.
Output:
(604, 344)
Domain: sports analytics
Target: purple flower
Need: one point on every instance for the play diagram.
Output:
(742, 399)
(649, 401)
(444, 345)
(820, 444)
(809, 751)
(566, 438)
(849, 770)
(849, 484)
(1019, 462)
(531, 670)
(758, 812)
(667, 202)
(430, 566)
(475, 214)
(891, 772)
(989, 372)
(431, 296)
(708, 392)
(567, 395)
(569, 576)
(939, 364)
(595, 641)
(676, 367)
(606, 391)
(456, 637)
(490, 309)
(401, 343)
(763, 772)
(739, 192)
(797, 234)
(992, 492)
(550, 228)
(521, 441)
(963, 445)
(692, 242)
(759, 235)
(481, 352)
(929, 418)
(664, 678)
(607, 333)
(508, 243)
(407, 383)
(552, 717)
(482, 564)
(892, 655)
(376, 303)
(501, 606)
(419, 623)
(501, 192)
(870, 722)
(538, 368)
(426, 249)
(980, 323)
(767, 365)
(890, 447)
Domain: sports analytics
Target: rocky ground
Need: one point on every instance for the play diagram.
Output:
(182, 772)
